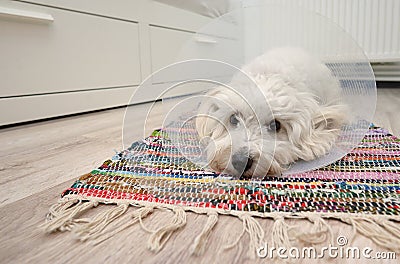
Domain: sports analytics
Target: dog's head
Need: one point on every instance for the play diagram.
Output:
(252, 135)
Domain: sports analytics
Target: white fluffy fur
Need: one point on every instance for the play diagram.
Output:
(303, 96)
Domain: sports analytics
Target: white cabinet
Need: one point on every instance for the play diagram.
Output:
(64, 57)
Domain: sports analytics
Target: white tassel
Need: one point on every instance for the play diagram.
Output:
(280, 234)
(160, 236)
(199, 244)
(123, 224)
(319, 232)
(95, 227)
(375, 232)
(229, 246)
(391, 227)
(256, 233)
(60, 207)
(64, 218)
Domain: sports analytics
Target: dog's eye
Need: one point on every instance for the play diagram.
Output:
(274, 125)
(234, 120)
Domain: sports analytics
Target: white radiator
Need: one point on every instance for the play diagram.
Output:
(374, 24)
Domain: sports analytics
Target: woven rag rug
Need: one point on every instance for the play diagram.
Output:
(361, 189)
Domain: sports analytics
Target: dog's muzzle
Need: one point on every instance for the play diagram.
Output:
(241, 162)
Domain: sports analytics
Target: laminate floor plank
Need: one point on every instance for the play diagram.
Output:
(39, 161)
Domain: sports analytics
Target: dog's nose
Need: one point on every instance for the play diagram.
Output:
(241, 162)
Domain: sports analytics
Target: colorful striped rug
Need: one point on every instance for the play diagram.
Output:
(361, 189)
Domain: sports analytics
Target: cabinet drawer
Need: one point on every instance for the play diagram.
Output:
(27, 108)
(166, 45)
(150, 11)
(169, 46)
(74, 52)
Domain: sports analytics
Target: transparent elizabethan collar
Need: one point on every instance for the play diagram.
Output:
(201, 116)
(246, 33)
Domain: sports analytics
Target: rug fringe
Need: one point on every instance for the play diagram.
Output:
(319, 233)
(384, 231)
(160, 237)
(200, 242)
(256, 234)
(374, 230)
(391, 227)
(123, 224)
(280, 233)
(60, 207)
(95, 227)
(62, 216)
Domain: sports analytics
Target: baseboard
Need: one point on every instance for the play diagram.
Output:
(387, 84)
(41, 120)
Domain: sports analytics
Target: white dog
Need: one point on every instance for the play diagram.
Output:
(295, 113)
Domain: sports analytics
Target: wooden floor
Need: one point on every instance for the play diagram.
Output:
(38, 161)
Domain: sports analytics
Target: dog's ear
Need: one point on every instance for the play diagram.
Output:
(329, 118)
(326, 126)
(205, 120)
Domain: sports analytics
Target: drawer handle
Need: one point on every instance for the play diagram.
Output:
(17, 13)
(206, 39)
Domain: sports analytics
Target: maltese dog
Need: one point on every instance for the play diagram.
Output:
(294, 111)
